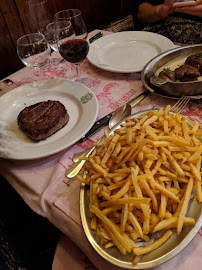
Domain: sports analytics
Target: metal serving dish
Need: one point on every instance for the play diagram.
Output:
(171, 58)
(158, 256)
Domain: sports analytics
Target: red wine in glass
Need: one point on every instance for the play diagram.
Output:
(74, 51)
(71, 39)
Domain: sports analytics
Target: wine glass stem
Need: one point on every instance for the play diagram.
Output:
(77, 70)
(42, 75)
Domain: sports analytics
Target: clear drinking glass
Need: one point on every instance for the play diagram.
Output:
(50, 36)
(76, 48)
(34, 51)
(38, 14)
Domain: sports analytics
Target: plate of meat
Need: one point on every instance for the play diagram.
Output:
(38, 122)
(175, 73)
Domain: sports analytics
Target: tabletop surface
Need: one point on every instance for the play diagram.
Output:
(41, 182)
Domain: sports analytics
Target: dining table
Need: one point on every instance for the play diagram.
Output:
(42, 183)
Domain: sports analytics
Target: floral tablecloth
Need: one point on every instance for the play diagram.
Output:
(41, 182)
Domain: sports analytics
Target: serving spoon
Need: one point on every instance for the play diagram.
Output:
(119, 115)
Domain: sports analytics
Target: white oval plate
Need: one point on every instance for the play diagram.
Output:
(81, 105)
(127, 51)
(154, 258)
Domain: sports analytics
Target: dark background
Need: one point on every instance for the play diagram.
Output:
(15, 23)
(27, 240)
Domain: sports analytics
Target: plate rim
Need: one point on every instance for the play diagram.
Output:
(128, 265)
(143, 33)
(29, 87)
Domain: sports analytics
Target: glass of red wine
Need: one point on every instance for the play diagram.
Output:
(72, 44)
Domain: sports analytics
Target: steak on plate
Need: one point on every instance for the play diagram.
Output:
(41, 120)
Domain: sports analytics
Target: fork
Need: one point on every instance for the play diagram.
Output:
(180, 104)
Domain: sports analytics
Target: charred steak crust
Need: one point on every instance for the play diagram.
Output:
(41, 120)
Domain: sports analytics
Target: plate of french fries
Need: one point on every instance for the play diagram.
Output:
(141, 194)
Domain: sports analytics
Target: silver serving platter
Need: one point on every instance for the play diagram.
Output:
(172, 89)
(160, 255)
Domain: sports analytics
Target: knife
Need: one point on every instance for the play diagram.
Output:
(105, 120)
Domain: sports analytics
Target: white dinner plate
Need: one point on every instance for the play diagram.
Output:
(127, 51)
(79, 101)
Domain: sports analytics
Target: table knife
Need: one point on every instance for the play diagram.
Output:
(105, 120)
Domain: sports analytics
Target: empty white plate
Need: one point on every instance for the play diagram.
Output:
(128, 51)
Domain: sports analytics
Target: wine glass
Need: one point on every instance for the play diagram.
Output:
(50, 36)
(76, 48)
(38, 14)
(34, 51)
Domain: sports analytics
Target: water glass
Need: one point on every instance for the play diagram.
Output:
(50, 36)
(34, 51)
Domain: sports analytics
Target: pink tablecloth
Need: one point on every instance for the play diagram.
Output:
(41, 182)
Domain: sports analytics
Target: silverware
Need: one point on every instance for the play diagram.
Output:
(120, 114)
(95, 37)
(75, 169)
(180, 104)
(105, 120)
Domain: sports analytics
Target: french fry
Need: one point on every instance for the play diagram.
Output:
(142, 250)
(167, 192)
(141, 179)
(195, 172)
(111, 227)
(176, 165)
(163, 204)
(136, 260)
(97, 167)
(124, 215)
(115, 240)
(122, 191)
(184, 205)
(172, 222)
(150, 120)
(110, 209)
(135, 224)
(195, 155)
(151, 194)
(198, 183)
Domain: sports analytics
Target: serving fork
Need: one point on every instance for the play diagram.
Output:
(180, 104)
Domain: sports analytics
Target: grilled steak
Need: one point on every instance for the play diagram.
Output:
(43, 119)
